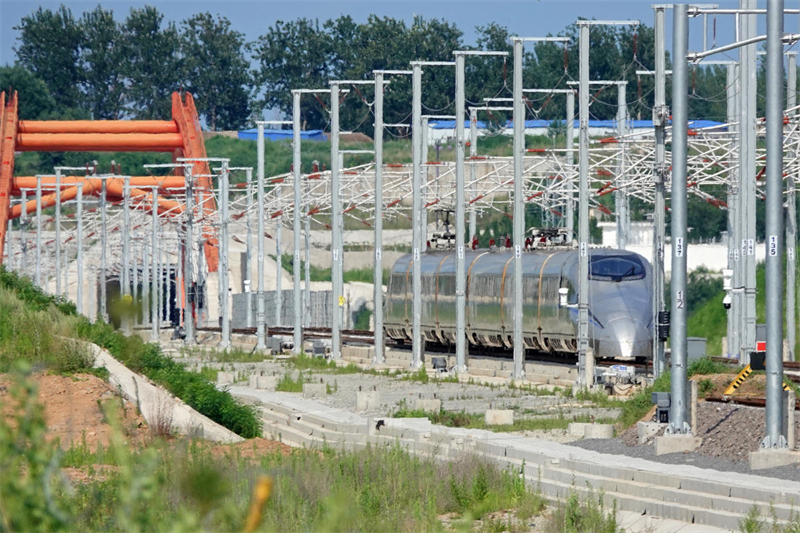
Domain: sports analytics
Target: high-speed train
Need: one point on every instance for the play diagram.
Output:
(620, 301)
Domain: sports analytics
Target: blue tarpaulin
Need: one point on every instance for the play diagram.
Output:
(539, 123)
(282, 135)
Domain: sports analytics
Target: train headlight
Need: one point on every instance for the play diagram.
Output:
(563, 292)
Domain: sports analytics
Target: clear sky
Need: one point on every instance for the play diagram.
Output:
(522, 17)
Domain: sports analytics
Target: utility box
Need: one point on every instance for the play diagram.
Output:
(695, 348)
(662, 402)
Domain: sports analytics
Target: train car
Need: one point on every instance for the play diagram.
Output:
(620, 301)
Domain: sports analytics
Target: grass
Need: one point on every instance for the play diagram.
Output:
(182, 486)
(462, 419)
(586, 514)
(364, 275)
(42, 331)
(288, 384)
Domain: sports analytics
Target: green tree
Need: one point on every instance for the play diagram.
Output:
(35, 101)
(49, 46)
(217, 72)
(103, 57)
(152, 64)
(294, 55)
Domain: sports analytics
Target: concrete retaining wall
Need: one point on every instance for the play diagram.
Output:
(155, 401)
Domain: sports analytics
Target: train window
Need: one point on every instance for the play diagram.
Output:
(616, 268)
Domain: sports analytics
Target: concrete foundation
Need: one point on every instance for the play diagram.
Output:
(585, 430)
(648, 430)
(314, 390)
(499, 417)
(367, 400)
(771, 458)
(226, 378)
(677, 444)
(265, 382)
(429, 406)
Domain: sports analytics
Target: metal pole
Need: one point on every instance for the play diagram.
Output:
(621, 195)
(680, 107)
(248, 256)
(297, 337)
(583, 211)
(126, 236)
(473, 152)
(156, 280)
(23, 237)
(424, 177)
(58, 231)
(278, 298)
(146, 295)
(377, 279)
(188, 319)
(38, 231)
(774, 437)
(461, 281)
(519, 210)
(79, 254)
(133, 257)
(103, 257)
(734, 222)
(260, 342)
(336, 241)
(747, 168)
(224, 296)
(570, 159)
(416, 208)
(791, 221)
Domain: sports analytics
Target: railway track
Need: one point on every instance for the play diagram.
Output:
(359, 337)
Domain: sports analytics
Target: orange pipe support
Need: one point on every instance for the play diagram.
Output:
(114, 188)
(166, 184)
(98, 142)
(98, 126)
(8, 133)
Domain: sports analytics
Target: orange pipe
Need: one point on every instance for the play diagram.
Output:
(94, 142)
(114, 187)
(165, 183)
(98, 126)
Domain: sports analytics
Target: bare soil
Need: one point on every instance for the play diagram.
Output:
(74, 410)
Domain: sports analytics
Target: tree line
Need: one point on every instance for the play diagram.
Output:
(94, 66)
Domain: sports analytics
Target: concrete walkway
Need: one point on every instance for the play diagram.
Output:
(650, 496)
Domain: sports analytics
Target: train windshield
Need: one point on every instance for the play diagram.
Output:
(616, 268)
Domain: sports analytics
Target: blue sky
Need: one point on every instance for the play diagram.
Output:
(523, 17)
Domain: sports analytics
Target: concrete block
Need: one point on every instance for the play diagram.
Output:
(648, 430)
(677, 444)
(586, 430)
(577, 429)
(772, 458)
(599, 431)
(429, 406)
(314, 390)
(499, 417)
(226, 378)
(266, 382)
(367, 400)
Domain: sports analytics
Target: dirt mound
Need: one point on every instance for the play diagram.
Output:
(74, 410)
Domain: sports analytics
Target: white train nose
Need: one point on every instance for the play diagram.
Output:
(626, 338)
